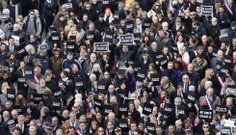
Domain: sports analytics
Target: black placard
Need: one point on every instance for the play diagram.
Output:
(231, 90)
(147, 109)
(221, 109)
(101, 47)
(55, 36)
(123, 109)
(4, 68)
(108, 37)
(127, 39)
(137, 38)
(207, 10)
(206, 114)
(226, 131)
(107, 109)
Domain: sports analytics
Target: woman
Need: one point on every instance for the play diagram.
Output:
(30, 49)
(200, 65)
(97, 71)
(180, 42)
(12, 62)
(93, 127)
(55, 62)
(100, 131)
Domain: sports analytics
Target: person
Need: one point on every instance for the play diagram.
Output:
(32, 25)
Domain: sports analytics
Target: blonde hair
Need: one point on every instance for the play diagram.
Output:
(30, 48)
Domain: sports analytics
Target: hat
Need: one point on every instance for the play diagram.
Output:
(10, 122)
(6, 11)
(100, 15)
(200, 48)
(218, 62)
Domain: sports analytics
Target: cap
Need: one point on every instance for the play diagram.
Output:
(10, 122)
(200, 48)
(100, 15)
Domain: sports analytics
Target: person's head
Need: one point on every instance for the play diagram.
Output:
(21, 119)
(210, 92)
(70, 56)
(171, 129)
(133, 125)
(71, 131)
(100, 131)
(55, 121)
(159, 130)
(220, 54)
(177, 101)
(59, 132)
(183, 49)
(6, 115)
(91, 26)
(185, 78)
(72, 116)
(31, 13)
(16, 131)
(93, 57)
(229, 101)
(214, 21)
(14, 114)
(131, 106)
(110, 125)
(82, 126)
(206, 127)
(44, 111)
(32, 130)
(65, 114)
(125, 48)
(118, 131)
(178, 124)
(164, 81)
(192, 88)
(165, 50)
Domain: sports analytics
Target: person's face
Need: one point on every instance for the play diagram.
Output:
(82, 126)
(171, 129)
(185, 79)
(220, 54)
(16, 132)
(111, 89)
(42, 83)
(229, 101)
(93, 57)
(100, 131)
(54, 121)
(154, 46)
(32, 14)
(98, 116)
(8, 105)
(180, 89)
(159, 131)
(138, 21)
(110, 125)
(85, 18)
(205, 127)
(165, 51)
(71, 131)
(170, 66)
(125, 48)
(131, 106)
(177, 102)
(69, 56)
(72, 117)
(75, 69)
(32, 131)
(133, 126)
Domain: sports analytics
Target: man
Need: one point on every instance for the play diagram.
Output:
(186, 83)
(179, 127)
(32, 130)
(55, 124)
(21, 124)
(82, 130)
(32, 24)
(110, 128)
(73, 121)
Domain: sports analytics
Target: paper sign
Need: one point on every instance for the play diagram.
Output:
(206, 114)
(101, 47)
(207, 10)
(127, 39)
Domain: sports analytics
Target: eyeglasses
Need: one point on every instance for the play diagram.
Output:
(205, 127)
(100, 130)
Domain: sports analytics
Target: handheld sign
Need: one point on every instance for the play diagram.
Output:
(43, 46)
(231, 90)
(226, 131)
(206, 114)
(207, 10)
(101, 47)
(221, 109)
(127, 39)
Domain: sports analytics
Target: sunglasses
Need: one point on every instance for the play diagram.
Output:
(205, 127)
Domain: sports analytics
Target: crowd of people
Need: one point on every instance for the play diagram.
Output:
(176, 77)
